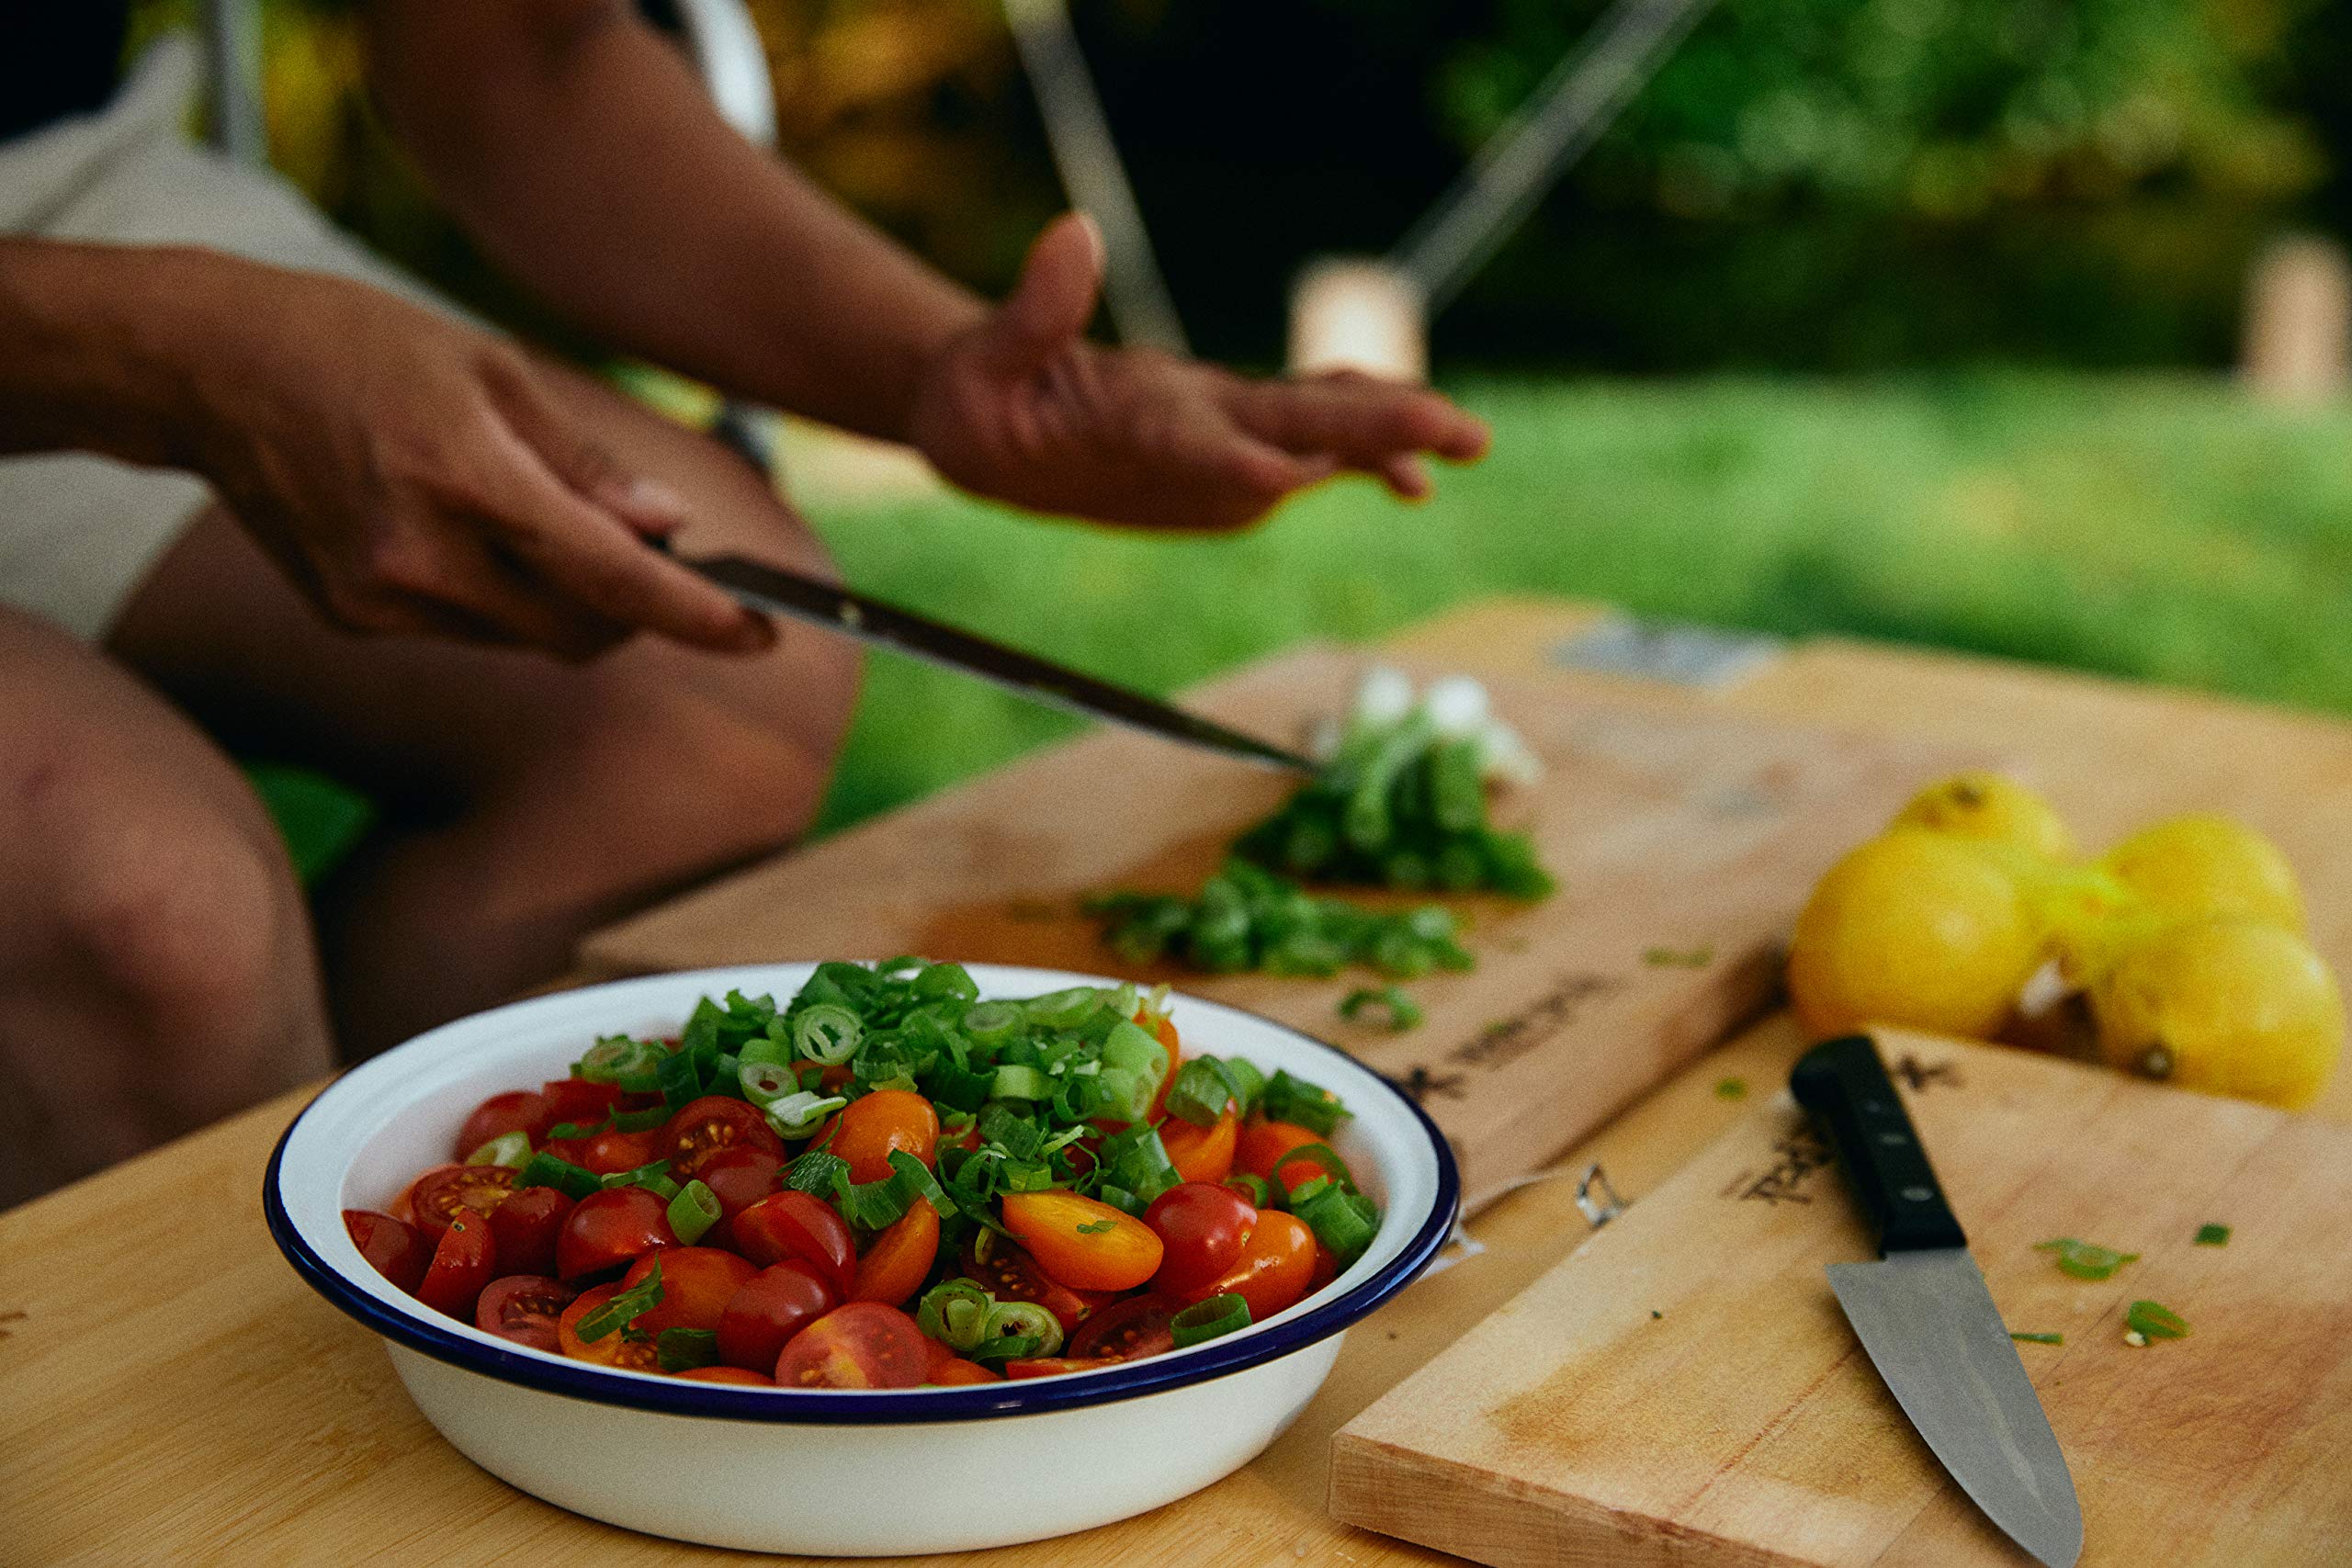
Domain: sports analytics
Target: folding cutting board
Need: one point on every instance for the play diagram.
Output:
(1684, 845)
(1682, 1389)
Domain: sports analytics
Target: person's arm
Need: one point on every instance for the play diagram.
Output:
(407, 473)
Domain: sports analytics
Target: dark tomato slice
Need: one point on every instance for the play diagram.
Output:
(441, 1193)
(1055, 1366)
(608, 1152)
(578, 1102)
(1127, 1330)
(607, 1229)
(863, 1345)
(397, 1249)
(772, 1306)
(524, 1308)
(526, 1228)
(614, 1349)
(696, 1283)
(517, 1110)
(462, 1264)
(793, 1224)
(738, 1178)
(728, 1375)
(704, 1127)
(1203, 1228)
(956, 1372)
(1011, 1275)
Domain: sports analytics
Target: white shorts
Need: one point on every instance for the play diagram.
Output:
(78, 534)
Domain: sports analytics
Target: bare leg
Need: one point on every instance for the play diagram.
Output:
(155, 964)
(530, 800)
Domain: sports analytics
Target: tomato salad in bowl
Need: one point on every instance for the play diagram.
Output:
(884, 1182)
(629, 1216)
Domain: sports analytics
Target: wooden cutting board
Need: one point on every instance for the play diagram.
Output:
(1684, 845)
(1683, 1389)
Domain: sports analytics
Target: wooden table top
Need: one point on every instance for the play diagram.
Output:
(201, 1406)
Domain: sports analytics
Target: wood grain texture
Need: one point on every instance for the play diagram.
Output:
(1683, 1389)
(1694, 835)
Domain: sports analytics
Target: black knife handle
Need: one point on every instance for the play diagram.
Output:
(1844, 1085)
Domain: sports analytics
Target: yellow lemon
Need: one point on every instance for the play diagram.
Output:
(1916, 929)
(1993, 807)
(2227, 1006)
(2208, 866)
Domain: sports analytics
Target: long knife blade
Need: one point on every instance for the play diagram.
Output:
(1932, 1331)
(804, 598)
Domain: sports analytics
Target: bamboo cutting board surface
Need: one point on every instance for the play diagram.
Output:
(1684, 845)
(1683, 1389)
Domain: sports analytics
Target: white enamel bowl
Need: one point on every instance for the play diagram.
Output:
(839, 1472)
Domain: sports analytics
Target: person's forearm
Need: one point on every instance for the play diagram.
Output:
(574, 142)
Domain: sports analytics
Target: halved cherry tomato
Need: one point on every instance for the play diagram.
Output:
(607, 1229)
(936, 1354)
(728, 1375)
(527, 1226)
(1011, 1275)
(397, 1249)
(872, 1125)
(956, 1372)
(704, 1127)
(696, 1284)
(462, 1264)
(578, 1102)
(1273, 1269)
(1082, 1242)
(895, 1266)
(863, 1345)
(738, 1178)
(1202, 1227)
(1127, 1330)
(524, 1308)
(441, 1194)
(1201, 1154)
(793, 1224)
(1263, 1143)
(609, 1153)
(517, 1110)
(772, 1306)
(1166, 1032)
(1327, 1269)
(614, 1349)
(1055, 1366)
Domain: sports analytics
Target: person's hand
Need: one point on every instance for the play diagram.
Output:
(411, 475)
(1022, 407)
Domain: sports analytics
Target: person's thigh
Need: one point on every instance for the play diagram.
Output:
(156, 969)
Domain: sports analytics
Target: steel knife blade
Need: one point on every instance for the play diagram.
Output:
(778, 592)
(1923, 1315)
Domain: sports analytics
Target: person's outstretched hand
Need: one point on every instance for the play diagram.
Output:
(1022, 407)
(412, 475)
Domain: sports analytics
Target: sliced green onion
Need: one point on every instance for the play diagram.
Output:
(654, 1177)
(815, 1172)
(1016, 1082)
(1731, 1089)
(1124, 1095)
(678, 1078)
(827, 1032)
(643, 1121)
(2153, 1320)
(917, 1179)
(1323, 1155)
(1137, 1161)
(764, 1083)
(510, 1150)
(1119, 1198)
(953, 1311)
(683, 1350)
(873, 1206)
(1023, 1320)
(624, 1308)
(616, 1058)
(1248, 1083)
(949, 980)
(2084, 1260)
(801, 1112)
(1253, 1188)
(1210, 1319)
(1129, 1048)
(965, 1089)
(1304, 1104)
(1344, 1221)
(546, 1170)
(2213, 1235)
(992, 1024)
(693, 1211)
(1201, 1092)
(1062, 1010)
(1401, 1012)
(773, 1048)
(570, 1131)
(2037, 1338)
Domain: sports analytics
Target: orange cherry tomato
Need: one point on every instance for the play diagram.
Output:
(444, 1192)
(1166, 1032)
(709, 1126)
(872, 1125)
(696, 1283)
(863, 1345)
(614, 1349)
(1201, 1154)
(1274, 1271)
(956, 1372)
(1055, 1366)
(462, 1264)
(1263, 1143)
(1082, 1242)
(895, 1266)
(727, 1374)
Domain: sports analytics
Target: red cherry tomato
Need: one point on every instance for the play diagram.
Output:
(1327, 1269)
(793, 1224)
(1202, 1227)
(895, 1266)
(614, 1349)
(524, 1308)
(738, 1178)
(704, 1127)
(1263, 1143)
(863, 1345)
(397, 1249)
(770, 1307)
(517, 1110)
(609, 1153)
(956, 1372)
(462, 1264)
(872, 1125)
(1201, 1154)
(447, 1190)
(728, 1375)
(1055, 1366)
(607, 1229)
(1126, 1330)
(1083, 1242)
(1273, 1269)
(526, 1229)
(1011, 1275)
(578, 1102)
(696, 1283)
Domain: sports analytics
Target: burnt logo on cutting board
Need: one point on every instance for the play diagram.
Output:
(1421, 1083)
(1796, 1158)
(1507, 1040)
(1918, 1074)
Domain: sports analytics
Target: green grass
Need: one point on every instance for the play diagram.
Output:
(2165, 529)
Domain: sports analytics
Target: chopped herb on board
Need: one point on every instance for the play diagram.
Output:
(2143, 1321)
(1673, 958)
(2037, 1338)
(1400, 1011)
(2085, 1260)
(2213, 1235)
(1731, 1089)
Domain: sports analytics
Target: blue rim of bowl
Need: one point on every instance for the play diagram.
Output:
(1158, 1374)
